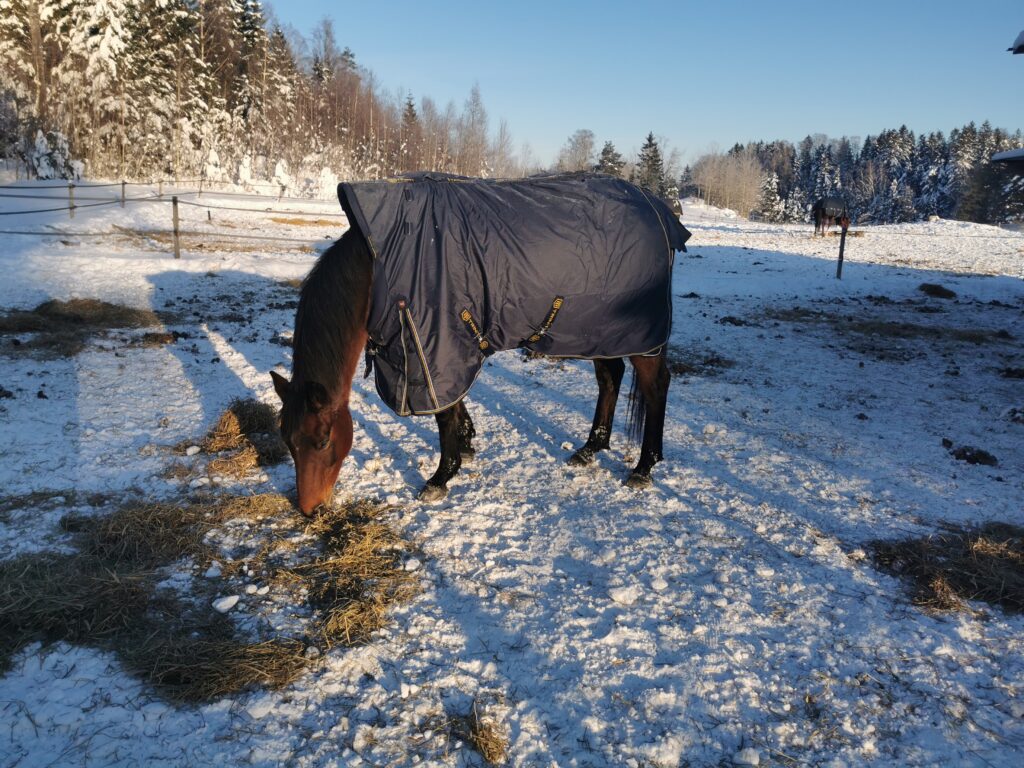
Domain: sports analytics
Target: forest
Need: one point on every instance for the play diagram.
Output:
(218, 90)
(891, 177)
(135, 89)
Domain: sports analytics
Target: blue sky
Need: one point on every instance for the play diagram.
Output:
(697, 74)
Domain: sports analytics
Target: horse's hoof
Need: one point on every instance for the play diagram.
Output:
(467, 454)
(432, 493)
(638, 482)
(581, 458)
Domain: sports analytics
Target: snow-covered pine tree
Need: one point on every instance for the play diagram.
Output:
(770, 205)
(797, 209)
(824, 174)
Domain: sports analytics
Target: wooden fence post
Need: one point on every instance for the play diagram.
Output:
(281, 194)
(845, 224)
(174, 214)
(160, 188)
(200, 187)
(71, 200)
(122, 194)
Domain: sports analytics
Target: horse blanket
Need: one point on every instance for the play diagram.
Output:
(833, 207)
(570, 266)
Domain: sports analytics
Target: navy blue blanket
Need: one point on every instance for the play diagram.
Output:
(570, 266)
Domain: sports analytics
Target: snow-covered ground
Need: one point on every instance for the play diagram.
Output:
(728, 614)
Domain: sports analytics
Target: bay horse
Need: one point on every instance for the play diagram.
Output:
(825, 212)
(335, 322)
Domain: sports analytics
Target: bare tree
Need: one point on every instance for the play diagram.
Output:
(578, 153)
(729, 180)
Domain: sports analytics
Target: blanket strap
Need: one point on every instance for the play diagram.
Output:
(371, 352)
(546, 325)
(474, 330)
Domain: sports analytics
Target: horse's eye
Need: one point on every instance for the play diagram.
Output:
(324, 444)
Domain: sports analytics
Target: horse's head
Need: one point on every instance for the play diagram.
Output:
(318, 434)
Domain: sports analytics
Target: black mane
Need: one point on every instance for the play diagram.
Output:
(332, 306)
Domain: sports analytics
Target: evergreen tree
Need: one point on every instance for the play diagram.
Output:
(797, 209)
(650, 168)
(824, 174)
(771, 206)
(412, 136)
(610, 161)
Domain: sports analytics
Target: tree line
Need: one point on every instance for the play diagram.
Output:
(888, 178)
(651, 168)
(144, 88)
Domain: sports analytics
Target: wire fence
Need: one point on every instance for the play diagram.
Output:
(123, 231)
(174, 193)
(172, 197)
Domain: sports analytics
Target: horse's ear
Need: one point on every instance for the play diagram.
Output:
(280, 384)
(316, 397)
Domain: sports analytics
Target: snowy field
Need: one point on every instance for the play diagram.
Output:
(729, 615)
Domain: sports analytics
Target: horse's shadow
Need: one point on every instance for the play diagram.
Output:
(227, 327)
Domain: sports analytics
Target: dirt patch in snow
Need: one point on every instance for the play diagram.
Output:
(295, 221)
(960, 564)
(888, 328)
(696, 362)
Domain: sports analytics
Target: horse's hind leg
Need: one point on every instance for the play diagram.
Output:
(448, 430)
(652, 381)
(466, 432)
(609, 379)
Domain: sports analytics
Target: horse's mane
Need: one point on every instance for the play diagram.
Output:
(332, 308)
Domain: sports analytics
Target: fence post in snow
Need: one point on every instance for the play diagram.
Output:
(71, 200)
(160, 188)
(122, 194)
(845, 224)
(281, 194)
(174, 214)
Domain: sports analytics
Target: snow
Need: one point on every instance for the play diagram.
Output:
(729, 615)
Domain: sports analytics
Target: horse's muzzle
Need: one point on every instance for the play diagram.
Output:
(317, 511)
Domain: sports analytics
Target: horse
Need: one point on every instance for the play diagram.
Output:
(345, 314)
(825, 213)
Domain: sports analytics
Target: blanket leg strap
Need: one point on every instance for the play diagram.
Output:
(475, 332)
(541, 332)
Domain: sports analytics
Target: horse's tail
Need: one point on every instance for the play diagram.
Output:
(637, 411)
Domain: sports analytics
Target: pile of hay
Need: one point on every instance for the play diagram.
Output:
(245, 437)
(61, 328)
(960, 564)
(105, 595)
(483, 733)
(357, 577)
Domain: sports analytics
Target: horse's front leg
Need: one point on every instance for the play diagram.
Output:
(448, 430)
(609, 380)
